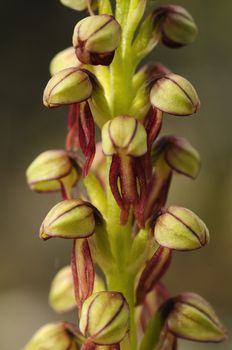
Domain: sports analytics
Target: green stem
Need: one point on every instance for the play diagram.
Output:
(120, 240)
(122, 93)
(105, 7)
(122, 8)
(96, 193)
(153, 330)
(124, 283)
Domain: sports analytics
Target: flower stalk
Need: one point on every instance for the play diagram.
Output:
(119, 223)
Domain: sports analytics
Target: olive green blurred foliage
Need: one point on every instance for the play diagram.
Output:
(33, 31)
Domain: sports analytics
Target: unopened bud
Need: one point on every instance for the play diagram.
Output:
(194, 319)
(69, 219)
(176, 25)
(61, 295)
(79, 5)
(96, 38)
(64, 59)
(50, 171)
(71, 85)
(104, 318)
(179, 155)
(175, 95)
(124, 134)
(52, 336)
(180, 229)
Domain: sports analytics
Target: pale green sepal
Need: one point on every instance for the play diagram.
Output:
(69, 219)
(180, 229)
(104, 318)
(52, 336)
(78, 5)
(125, 134)
(71, 85)
(61, 295)
(182, 157)
(194, 319)
(175, 95)
(64, 59)
(50, 170)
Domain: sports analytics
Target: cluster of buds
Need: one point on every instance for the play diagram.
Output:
(113, 195)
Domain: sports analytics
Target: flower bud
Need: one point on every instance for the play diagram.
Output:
(96, 38)
(176, 25)
(194, 319)
(179, 155)
(71, 85)
(52, 336)
(180, 229)
(175, 95)
(64, 59)
(104, 318)
(61, 295)
(124, 134)
(79, 5)
(50, 170)
(69, 219)
(148, 74)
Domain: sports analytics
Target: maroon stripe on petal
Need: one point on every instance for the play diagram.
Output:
(113, 179)
(139, 207)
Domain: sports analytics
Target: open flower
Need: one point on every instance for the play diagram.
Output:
(125, 140)
(73, 87)
(52, 171)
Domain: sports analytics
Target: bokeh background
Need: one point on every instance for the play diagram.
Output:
(33, 31)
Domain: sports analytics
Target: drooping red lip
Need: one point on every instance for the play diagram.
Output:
(81, 133)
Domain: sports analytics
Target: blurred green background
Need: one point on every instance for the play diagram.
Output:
(33, 31)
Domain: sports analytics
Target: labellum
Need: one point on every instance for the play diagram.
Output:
(153, 272)
(81, 133)
(83, 271)
(125, 139)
